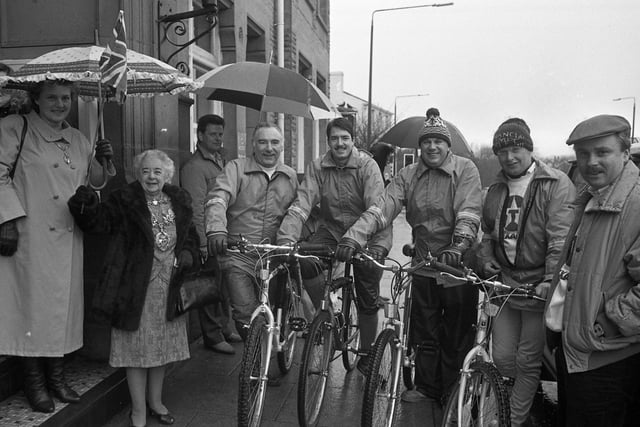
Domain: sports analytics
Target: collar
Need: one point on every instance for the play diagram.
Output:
(251, 166)
(48, 133)
(539, 169)
(612, 197)
(447, 165)
(214, 157)
(528, 171)
(328, 161)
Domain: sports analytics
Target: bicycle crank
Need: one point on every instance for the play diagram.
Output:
(298, 324)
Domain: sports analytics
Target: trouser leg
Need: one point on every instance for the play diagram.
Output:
(367, 284)
(425, 335)
(210, 323)
(459, 315)
(35, 388)
(243, 297)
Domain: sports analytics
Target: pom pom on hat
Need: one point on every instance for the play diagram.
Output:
(512, 132)
(434, 127)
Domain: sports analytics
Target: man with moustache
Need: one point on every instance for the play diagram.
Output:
(593, 315)
(198, 176)
(343, 183)
(443, 198)
(250, 198)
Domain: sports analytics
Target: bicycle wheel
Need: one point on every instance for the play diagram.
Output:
(350, 330)
(485, 401)
(314, 369)
(253, 386)
(380, 399)
(286, 302)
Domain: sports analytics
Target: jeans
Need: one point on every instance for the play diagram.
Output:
(518, 344)
(602, 397)
(441, 329)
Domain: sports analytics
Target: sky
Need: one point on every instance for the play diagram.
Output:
(552, 63)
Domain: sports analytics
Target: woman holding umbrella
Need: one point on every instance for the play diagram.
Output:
(42, 161)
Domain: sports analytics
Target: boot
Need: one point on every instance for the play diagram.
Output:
(56, 381)
(35, 386)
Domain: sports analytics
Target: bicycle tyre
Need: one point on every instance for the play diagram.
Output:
(314, 369)
(287, 335)
(380, 406)
(252, 388)
(485, 401)
(350, 330)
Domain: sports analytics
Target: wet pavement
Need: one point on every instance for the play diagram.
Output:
(203, 390)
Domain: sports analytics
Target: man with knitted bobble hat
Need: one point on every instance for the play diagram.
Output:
(442, 195)
(593, 314)
(525, 216)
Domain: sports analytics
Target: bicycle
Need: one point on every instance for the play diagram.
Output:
(332, 329)
(268, 331)
(480, 397)
(392, 354)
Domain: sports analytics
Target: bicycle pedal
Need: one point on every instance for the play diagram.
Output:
(298, 324)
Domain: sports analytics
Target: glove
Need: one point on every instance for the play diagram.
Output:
(543, 289)
(346, 249)
(185, 260)
(85, 196)
(104, 151)
(490, 268)
(8, 238)
(217, 244)
(452, 254)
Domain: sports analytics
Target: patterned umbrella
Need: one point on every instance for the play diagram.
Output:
(267, 87)
(146, 76)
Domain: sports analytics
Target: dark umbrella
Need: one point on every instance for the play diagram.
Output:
(405, 134)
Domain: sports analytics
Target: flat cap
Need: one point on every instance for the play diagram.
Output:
(598, 126)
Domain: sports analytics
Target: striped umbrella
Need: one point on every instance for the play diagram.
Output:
(267, 87)
(146, 76)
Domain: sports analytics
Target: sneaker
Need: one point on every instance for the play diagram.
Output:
(222, 347)
(414, 396)
(363, 365)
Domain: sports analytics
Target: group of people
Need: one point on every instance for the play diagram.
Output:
(581, 249)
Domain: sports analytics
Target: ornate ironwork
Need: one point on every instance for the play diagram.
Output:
(176, 24)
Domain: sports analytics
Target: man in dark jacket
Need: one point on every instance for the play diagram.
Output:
(594, 308)
(525, 217)
(198, 176)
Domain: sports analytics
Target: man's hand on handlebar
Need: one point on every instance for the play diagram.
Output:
(346, 249)
(543, 289)
(490, 268)
(217, 244)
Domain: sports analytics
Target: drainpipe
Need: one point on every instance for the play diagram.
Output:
(280, 38)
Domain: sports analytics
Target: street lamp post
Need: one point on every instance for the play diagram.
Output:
(395, 104)
(633, 114)
(371, 54)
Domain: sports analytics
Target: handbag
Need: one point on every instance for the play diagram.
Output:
(193, 290)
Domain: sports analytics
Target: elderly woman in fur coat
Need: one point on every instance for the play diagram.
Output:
(149, 223)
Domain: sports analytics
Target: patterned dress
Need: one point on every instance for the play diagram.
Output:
(157, 341)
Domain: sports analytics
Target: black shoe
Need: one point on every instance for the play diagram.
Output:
(54, 368)
(35, 388)
(162, 418)
(363, 365)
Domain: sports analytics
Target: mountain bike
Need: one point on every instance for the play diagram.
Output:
(332, 329)
(480, 397)
(392, 356)
(270, 332)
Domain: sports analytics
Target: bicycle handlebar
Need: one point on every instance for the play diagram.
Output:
(301, 249)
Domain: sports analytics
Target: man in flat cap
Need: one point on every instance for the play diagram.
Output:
(593, 315)
(443, 199)
(525, 217)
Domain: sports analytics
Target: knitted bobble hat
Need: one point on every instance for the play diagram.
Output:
(434, 127)
(513, 132)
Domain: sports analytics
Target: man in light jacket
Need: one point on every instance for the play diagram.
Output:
(525, 217)
(443, 198)
(593, 315)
